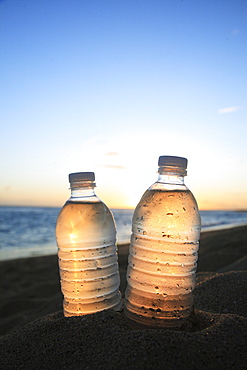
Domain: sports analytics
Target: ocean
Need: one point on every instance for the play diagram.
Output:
(30, 231)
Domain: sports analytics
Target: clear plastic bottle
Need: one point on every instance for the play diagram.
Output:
(163, 252)
(86, 240)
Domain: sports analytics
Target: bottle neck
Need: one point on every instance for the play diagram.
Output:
(173, 175)
(82, 190)
(82, 193)
(171, 178)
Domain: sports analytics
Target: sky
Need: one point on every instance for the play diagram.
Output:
(110, 85)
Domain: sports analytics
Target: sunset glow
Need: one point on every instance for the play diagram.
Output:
(110, 86)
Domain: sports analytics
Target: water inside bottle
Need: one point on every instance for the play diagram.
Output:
(163, 258)
(86, 238)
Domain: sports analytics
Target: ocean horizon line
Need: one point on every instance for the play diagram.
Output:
(122, 208)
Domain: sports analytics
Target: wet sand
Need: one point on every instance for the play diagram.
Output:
(35, 335)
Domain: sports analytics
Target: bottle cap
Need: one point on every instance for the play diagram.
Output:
(82, 179)
(170, 161)
(81, 176)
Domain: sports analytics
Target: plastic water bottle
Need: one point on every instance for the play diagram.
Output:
(163, 252)
(86, 240)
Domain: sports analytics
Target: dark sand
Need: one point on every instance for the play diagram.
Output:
(215, 337)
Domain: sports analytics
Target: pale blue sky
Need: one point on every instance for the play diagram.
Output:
(108, 86)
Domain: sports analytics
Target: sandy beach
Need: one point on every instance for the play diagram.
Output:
(35, 335)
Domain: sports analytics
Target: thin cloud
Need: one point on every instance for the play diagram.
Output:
(7, 188)
(115, 166)
(111, 153)
(228, 110)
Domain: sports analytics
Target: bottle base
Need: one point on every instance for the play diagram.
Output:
(138, 321)
(80, 309)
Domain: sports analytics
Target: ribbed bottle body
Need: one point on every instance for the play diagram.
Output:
(86, 239)
(163, 257)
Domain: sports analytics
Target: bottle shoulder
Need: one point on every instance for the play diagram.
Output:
(167, 191)
(84, 199)
(167, 212)
(163, 186)
(85, 207)
(80, 225)
(162, 199)
(86, 204)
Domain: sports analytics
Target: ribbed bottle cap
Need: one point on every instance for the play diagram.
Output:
(81, 176)
(168, 161)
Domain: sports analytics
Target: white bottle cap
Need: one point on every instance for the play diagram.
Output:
(81, 176)
(167, 161)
